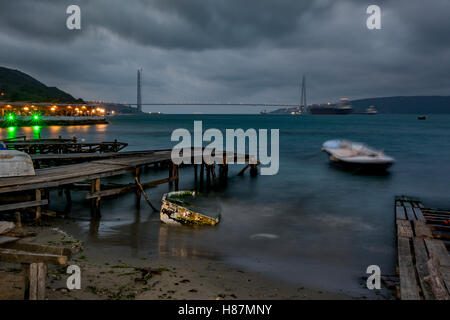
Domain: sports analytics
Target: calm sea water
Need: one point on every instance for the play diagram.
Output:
(324, 226)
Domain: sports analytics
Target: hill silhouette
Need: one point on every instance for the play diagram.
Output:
(18, 86)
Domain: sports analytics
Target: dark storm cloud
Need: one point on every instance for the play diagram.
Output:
(200, 50)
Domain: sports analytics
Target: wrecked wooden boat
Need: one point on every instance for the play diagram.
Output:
(15, 163)
(176, 210)
(354, 155)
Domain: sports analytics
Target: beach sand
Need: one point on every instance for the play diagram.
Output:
(147, 279)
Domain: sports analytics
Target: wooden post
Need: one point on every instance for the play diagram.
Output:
(68, 196)
(213, 173)
(18, 220)
(208, 176)
(177, 177)
(38, 208)
(253, 170)
(35, 275)
(41, 276)
(95, 202)
(225, 167)
(46, 192)
(202, 172)
(137, 172)
(170, 173)
(26, 280)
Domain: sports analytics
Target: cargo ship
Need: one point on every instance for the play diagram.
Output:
(342, 107)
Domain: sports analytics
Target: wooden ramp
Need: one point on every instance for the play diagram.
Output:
(423, 258)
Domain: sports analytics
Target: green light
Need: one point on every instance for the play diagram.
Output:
(36, 117)
(11, 129)
(36, 128)
(11, 117)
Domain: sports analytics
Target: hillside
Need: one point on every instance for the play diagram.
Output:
(18, 86)
(411, 104)
(397, 105)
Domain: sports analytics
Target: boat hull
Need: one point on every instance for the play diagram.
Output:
(325, 110)
(356, 156)
(364, 167)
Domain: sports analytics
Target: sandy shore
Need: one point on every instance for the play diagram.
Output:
(141, 278)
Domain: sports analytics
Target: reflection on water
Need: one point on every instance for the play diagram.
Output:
(310, 224)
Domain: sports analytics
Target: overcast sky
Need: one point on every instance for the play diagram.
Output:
(230, 50)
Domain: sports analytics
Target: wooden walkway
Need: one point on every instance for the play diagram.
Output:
(61, 146)
(422, 242)
(106, 165)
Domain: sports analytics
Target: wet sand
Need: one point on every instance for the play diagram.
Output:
(112, 277)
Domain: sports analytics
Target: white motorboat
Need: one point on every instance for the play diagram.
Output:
(356, 155)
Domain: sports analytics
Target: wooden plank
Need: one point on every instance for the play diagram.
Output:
(41, 277)
(436, 216)
(33, 281)
(431, 211)
(410, 213)
(438, 248)
(421, 229)
(37, 248)
(408, 284)
(435, 279)
(418, 214)
(407, 204)
(116, 191)
(38, 208)
(5, 239)
(421, 257)
(400, 213)
(445, 271)
(17, 256)
(26, 204)
(404, 229)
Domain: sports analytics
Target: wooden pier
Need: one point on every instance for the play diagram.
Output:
(61, 146)
(88, 174)
(423, 243)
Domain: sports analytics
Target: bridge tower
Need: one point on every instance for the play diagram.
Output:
(139, 87)
(303, 105)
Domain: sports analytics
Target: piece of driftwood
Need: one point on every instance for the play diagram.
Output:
(144, 194)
